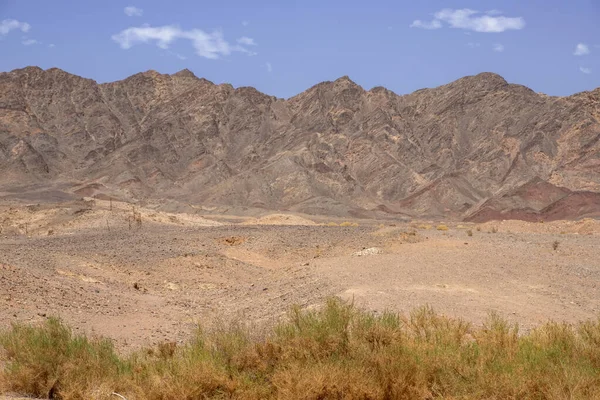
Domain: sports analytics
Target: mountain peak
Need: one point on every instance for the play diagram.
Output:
(344, 78)
(490, 77)
(185, 73)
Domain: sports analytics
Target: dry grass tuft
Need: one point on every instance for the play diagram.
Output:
(442, 227)
(348, 223)
(335, 352)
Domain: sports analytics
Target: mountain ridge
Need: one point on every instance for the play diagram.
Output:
(335, 148)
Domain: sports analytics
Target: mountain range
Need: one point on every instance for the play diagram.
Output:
(476, 149)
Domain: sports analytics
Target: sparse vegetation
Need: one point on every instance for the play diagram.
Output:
(135, 218)
(442, 227)
(469, 232)
(424, 227)
(335, 352)
(332, 224)
(494, 229)
(410, 237)
(555, 245)
(478, 229)
(348, 223)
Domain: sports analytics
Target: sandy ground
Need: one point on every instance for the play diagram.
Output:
(156, 282)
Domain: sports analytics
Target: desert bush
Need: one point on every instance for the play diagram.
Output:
(49, 357)
(348, 223)
(442, 227)
(494, 229)
(469, 233)
(555, 245)
(335, 351)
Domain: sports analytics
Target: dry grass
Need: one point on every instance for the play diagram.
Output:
(336, 352)
(442, 227)
(348, 223)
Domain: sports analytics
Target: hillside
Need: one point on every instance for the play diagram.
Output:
(478, 148)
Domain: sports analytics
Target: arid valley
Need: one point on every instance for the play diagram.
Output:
(150, 282)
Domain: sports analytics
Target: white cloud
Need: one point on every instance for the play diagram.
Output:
(269, 67)
(51, 45)
(491, 21)
(585, 70)
(247, 41)
(417, 23)
(132, 11)
(245, 23)
(29, 42)
(208, 45)
(8, 25)
(499, 47)
(581, 49)
(468, 19)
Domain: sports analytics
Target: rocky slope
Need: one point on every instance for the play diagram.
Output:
(478, 148)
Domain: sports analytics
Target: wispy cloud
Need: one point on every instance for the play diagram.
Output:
(132, 11)
(209, 45)
(29, 42)
(417, 23)
(245, 23)
(51, 45)
(585, 70)
(472, 20)
(8, 25)
(499, 47)
(247, 41)
(581, 49)
(473, 44)
(269, 67)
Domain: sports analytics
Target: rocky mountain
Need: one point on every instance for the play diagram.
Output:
(478, 148)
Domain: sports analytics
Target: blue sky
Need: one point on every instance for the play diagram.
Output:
(284, 47)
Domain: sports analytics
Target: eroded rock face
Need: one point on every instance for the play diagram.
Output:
(477, 148)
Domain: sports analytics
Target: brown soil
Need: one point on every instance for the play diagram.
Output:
(154, 283)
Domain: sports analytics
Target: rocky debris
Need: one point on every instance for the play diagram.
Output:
(368, 252)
